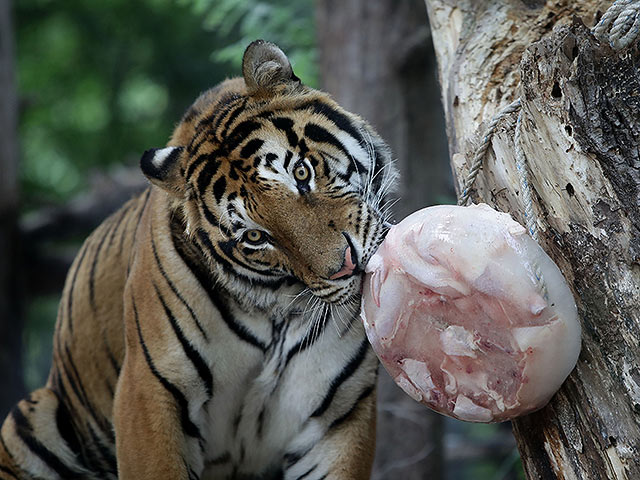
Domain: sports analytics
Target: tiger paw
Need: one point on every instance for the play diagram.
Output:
(453, 307)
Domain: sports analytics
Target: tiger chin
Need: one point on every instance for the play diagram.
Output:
(209, 328)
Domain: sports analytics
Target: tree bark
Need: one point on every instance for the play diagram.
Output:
(374, 59)
(11, 382)
(580, 134)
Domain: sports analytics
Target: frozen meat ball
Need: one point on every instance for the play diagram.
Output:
(454, 311)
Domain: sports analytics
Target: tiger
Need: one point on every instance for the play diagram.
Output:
(209, 329)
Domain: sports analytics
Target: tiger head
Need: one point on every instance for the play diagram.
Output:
(276, 183)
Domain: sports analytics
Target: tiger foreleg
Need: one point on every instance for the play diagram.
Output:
(345, 452)
(151, 442)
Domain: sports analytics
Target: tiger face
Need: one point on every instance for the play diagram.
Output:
(277, 184)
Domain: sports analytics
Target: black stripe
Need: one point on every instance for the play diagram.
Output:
(231, 118)
(196, 359)
(222, 107)
(64, 423)
(115, 226)
(197, 141)
(190, 114)
(213, 220)
(339, 119)
(104, 454)
(359, 220)
(173, 288)
(219, 187)
(4, 447)
(287, 159)
(251, 148)
(8, 472)
(367, 226)
(147, 194)
(188, 426)
(123, 235)
(192, 475)
(25, 432)
(219, 460)
(110, 388)
(205, 240)
(91, 457)
(292, 458)
(326, 169)
(307, 473)
(261, 421)
(227, 248)
(240, 133)
(378, 165)
(321, 135)
(73, 378)
(346, 372)
(216, 298)
(269, 159)
(205, 175)
(111, 356)
(308, 340)
(286, 125)
(366, 392)
(195, 164)
(229, 268)
(92, 273)
(101, 421)
(85, 247)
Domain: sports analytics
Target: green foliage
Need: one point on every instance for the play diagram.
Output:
(288, 24)
(100, 82)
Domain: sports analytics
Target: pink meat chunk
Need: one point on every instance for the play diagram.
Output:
(452, 308)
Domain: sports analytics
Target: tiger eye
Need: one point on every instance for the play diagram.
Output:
(301, 173)
(254, 236)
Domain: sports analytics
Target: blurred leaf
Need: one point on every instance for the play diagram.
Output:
(289, 25)
(100, 82)
(142, 99)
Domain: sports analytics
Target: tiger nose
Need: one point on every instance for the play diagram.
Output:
(349, 264)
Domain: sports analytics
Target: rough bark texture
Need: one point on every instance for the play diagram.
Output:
(580, 134)
(374, 59)
(11, 387)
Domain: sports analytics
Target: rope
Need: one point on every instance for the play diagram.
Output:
(527, 198)
(525, 188)
(476, 165)
(620, 25)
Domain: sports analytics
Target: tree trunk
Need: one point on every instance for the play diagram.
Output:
(11, 383)
(374, 59)
(580, 134)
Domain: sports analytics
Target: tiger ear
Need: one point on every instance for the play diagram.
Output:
(162, 167)
(264, 66)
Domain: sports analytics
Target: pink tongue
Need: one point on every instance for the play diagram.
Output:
(348, 267)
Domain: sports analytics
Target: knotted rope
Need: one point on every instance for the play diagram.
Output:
(620, 26)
